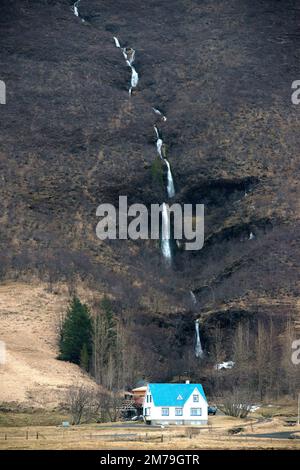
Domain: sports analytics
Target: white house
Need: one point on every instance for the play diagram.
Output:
(175, 404)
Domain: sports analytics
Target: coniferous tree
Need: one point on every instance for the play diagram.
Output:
(75, 343)
(84, 358)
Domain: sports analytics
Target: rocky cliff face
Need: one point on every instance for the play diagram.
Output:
(72, 139)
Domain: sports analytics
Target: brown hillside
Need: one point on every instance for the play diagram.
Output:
(71, 139)
(29, 319)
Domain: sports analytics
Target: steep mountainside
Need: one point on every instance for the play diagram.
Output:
(72, 138)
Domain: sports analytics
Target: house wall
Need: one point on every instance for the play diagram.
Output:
(156, 417)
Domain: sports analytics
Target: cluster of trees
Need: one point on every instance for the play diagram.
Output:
(75, 342)
(107, 346)
(86, 404)
(98, 343)
(262, 355)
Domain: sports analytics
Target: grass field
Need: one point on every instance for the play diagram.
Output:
(122, 436)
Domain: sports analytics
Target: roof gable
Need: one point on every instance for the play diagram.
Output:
(173, 394)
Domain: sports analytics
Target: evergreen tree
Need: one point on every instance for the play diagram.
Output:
(84, 358)
(76, 334)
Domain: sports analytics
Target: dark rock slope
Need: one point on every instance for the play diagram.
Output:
(71, 138)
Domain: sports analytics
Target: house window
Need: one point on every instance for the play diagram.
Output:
(165, 411)
(195, 398)
(149, 398)
(147, 411)
(178, 412)
(196, 411)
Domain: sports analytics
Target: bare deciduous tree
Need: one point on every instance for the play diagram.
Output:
(81, 403)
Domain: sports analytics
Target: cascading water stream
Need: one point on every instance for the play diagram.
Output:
(116, 41)
(134, 77)
(165, 243)
(165, 236)
(129, 55)
(159, 143)
(170, 184)
(194, 300)
(198, 347)
(75, 8)
(159, 113)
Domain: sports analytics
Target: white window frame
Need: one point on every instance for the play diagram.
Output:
(179, 411)
(196, 398)
(196, 412)
(165, 411)
(147, 411)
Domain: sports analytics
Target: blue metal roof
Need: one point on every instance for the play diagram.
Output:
(173, 394)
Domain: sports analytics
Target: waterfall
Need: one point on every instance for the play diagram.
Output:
(170, 185)
(132, 56)
(159, 143)
(129, 55)
(156, 132)
(193, 297)
(159, 113)
(198, 347)
(134, 77)
(165, 237)
(75, 8)
(116, 42)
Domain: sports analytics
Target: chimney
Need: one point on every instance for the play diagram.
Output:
(187, 381)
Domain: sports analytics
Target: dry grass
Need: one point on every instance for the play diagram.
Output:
(109, 437)
(29, 318)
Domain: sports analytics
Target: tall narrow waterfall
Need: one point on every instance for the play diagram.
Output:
(198, 347)
(75, 8)
(159, 143)
(156, 132)
(193, 297)
(134, 77)
(170, 185)
(116, 42)
(165, 236)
